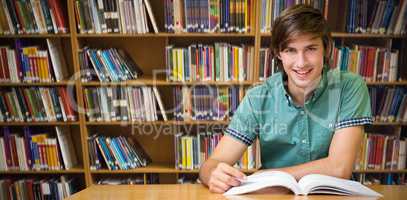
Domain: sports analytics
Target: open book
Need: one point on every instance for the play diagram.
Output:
(309, 184)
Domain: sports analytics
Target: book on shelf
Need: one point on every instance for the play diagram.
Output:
(270, 10)
(388, 104)
(218, 62)
(116, 16)
(192, 151)
(381, 152)
(107, 65)
(32, 63)
(137, 180)
(267, 64)
(377, 17)
(123, 104)
(382, 178)
(36, 104)
(37, 151)
(372, 63)
(208, 16)
(28, 188)
(33, 17)
(309, 184)
(116, 153)
(206, 102)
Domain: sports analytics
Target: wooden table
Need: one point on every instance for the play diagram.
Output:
(197, 191)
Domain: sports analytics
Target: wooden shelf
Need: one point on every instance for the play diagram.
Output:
(376, 123)
(60, 83)
(161, 82)
(369, 83)
(169, 168)
(156, 168)
(65, 35)
(38, 123)
(395, 83)
(164, 35)
(381, 171)
(353, 35)
(171, 122)
(70, 171)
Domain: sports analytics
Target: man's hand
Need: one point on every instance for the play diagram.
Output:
(223, 177)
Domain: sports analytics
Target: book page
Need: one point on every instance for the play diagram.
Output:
(265, 179)
(317, 183)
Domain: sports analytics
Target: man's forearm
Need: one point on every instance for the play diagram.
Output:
(206, 169)
(324, 166)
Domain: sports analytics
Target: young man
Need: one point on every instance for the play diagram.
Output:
(309, 119)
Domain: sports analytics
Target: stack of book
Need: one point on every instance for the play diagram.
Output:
(34, 16)
(218, 62)
(116, 153)
(372, 63)
(107, 65)
(270, 10)
(192, 151)
(388, 104)
(36, 104)
(53, 188)
(114, 16)
(208, 15)
(123, 104)
(386, 17)
(37, 151)
(31, 63)
(206, 102)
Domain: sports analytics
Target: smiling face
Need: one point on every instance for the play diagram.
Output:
(303, 61)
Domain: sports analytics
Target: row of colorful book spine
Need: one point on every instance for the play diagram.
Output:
(372, 63)
(29, 188)
(208, 15)
(115, 16)
(116, 153)
(34, 150)
(37, 104)
(192, 151)
(32, 17)
(270, 10)
(388, 104)
(123, 104)
(387, 17)
(32, 63)
(218, 62)
(381, 152)
(107, 65)
(206, 102)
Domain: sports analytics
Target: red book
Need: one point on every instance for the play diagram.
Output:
(14, 155)
(2, 66)
(5, 68)
(67, 103)
(56, 9)
(30, 193)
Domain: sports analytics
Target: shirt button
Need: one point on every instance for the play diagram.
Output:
(304, 141)
(302, 112)
(330, 125)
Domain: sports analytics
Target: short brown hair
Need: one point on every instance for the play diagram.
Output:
(300, 19)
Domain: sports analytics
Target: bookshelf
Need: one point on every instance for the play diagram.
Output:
(148, 50)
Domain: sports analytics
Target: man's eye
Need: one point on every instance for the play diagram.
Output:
(312, 49)
(289, 50)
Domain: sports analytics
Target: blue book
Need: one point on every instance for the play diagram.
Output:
(27, 143)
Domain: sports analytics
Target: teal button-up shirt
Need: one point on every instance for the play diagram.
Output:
(291, 135)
